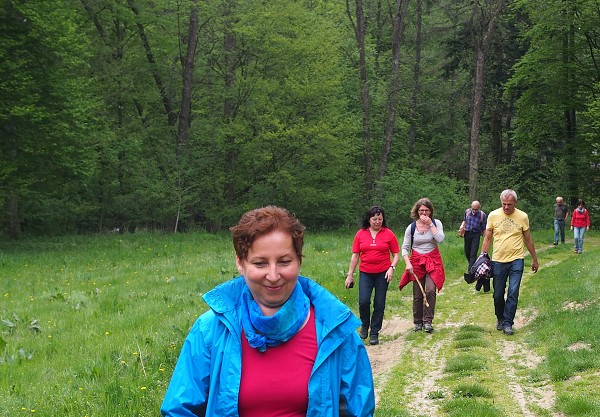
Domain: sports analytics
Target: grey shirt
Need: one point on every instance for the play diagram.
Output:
(423, 242)
(560, 211)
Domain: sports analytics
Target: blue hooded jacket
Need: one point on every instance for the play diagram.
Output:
(206, 379)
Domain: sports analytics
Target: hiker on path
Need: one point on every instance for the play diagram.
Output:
(472, 228)
(272, 343)
(373, 244)
(561, 214)
(424, 266)
(508, 228)
(580, 222)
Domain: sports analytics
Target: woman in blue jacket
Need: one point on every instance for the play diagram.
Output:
(272, 342)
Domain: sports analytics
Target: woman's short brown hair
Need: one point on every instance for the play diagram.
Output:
(414, 213)
(259, 222)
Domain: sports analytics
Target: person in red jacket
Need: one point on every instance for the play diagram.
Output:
(580, 222)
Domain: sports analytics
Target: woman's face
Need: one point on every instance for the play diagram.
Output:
(271, 270)
(423, 210)
(376, 221)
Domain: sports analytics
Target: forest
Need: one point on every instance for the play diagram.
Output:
(179, 115)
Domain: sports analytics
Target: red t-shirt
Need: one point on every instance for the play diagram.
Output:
(375, 253)
(274, 383)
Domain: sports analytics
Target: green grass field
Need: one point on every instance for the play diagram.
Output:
(92, 325)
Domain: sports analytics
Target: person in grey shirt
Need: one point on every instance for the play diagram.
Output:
(561, 214)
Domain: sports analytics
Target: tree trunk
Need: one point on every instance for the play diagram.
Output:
(482, 45)
(188, 72)
(414, 111)
(229, 105)
(359, 31)
(162, 89)
(186, 99)
(496, 148)
(11, 205)
(475, 122)
(398, 29)
(575, 180)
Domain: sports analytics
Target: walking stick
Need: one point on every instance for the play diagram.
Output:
(422, 289)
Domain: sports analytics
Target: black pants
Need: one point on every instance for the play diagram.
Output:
(367, 282)
(485, 283)
(472, 246)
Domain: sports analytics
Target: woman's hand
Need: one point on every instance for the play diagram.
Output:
(349, 282)
(425, 220)
(389, 274)
(409, 267)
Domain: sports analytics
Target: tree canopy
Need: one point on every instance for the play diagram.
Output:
(182, 114)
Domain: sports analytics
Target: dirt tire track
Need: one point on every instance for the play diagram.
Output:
(517, 356)
(386, 355)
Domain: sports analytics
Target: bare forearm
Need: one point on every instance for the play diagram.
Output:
(487, 241)
(353, 263)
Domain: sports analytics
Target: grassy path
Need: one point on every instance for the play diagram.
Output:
(419, 374)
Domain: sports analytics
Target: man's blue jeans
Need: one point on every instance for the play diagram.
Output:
(504, 272)
(559, 229)
(366, 284)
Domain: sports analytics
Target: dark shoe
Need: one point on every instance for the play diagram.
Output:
(428, 327)
(418, 327)
(555, 243)
(364, 332)
(563, 242)
(499, 326)
(508, 330)
(374, 339)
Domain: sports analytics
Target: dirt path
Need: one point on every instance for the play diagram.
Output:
(515, 356)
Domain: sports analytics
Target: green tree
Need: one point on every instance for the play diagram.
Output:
(275, 126)
(47, 147)
(555, 80)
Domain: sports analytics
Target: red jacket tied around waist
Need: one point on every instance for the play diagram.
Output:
(428, 263)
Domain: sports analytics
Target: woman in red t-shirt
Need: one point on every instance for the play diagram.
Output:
(373, 244)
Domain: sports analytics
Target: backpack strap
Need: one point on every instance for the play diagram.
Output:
(413, 227)
(471, 210)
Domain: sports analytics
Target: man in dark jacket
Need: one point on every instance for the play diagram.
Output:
(472, 227)
(561, 214)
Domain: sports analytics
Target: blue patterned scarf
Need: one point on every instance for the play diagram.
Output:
(262, 331)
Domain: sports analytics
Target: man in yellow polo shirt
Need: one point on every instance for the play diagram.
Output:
(508, 227)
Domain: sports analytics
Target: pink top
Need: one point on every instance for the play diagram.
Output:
(274, 383)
